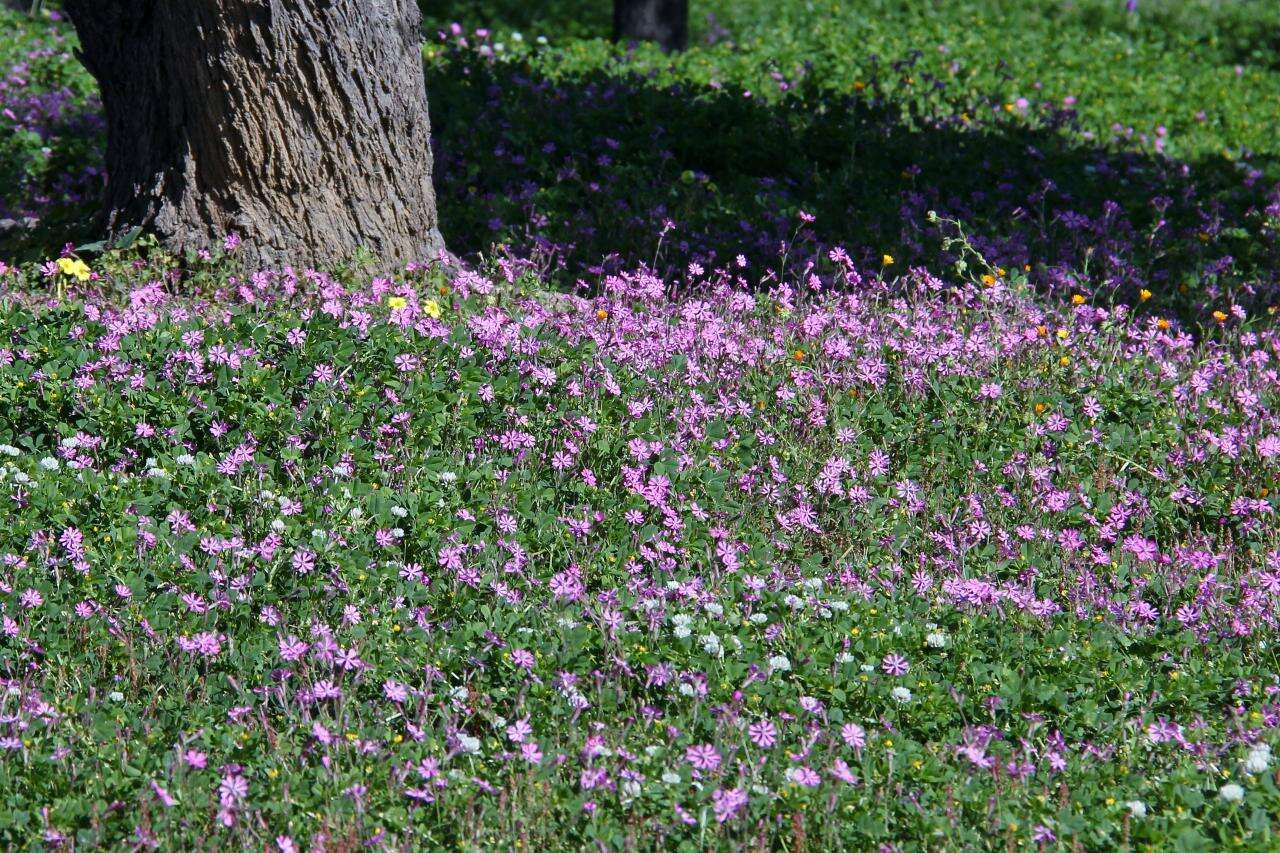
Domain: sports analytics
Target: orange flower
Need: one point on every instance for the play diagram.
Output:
(1040, 407)
(1162, 324)
(602, 314)
(1220, 316)
(1078, 299)
(1144, 294)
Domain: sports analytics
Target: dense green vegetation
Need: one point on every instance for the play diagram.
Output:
(871, 461)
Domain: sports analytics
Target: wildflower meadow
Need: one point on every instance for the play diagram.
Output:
(860, 431)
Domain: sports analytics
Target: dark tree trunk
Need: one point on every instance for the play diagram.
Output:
(663, 21)
(301, 125)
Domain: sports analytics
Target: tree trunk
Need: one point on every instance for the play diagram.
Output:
(300, 125)
(663, 21)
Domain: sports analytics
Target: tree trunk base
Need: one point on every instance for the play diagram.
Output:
(663, 21)
(301, 127)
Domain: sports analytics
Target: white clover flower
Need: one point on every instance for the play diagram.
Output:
(652, 750)
(681, 631)
(759, 618)
(1258, 759)
(736, 643)
(21, 477)
(780, 663)
(901, 694)
(630, 789)
(399, 511)
(936, 640)
(70, 442)
(277, 525)
(813, 583)
(319, 534)
(49, 463)
(715, 609)
(515, 36)
(115, 696)
(868, 668)
(397, 532)
(686, 689)
(650, 604)
(186, 460)
(845, 657)
(841, 606)
(566, 623)
(468, 743)
(541, 39)
(711, 645)
(448, 477)
(794, 601)
(682, 619)
(9, 450)
(1231, 792)
(356, 513)
(1137, 808)
(671, 778)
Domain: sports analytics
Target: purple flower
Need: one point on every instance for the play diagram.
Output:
(895, 664)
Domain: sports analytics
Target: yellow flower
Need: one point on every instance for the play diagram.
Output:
(395, 303)
(1078, 299)
(1144, 294)
(1162, 324)
(988, 279)
(432, 309)
(1220, 316)
(75, 268)
(887, 260)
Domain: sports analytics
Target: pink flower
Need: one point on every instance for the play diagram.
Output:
(727, 803)
(895, 664)
(853, 735)
(703, 756)
(763, 734)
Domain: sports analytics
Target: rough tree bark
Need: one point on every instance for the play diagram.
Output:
(663, 21)
(301, 125)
